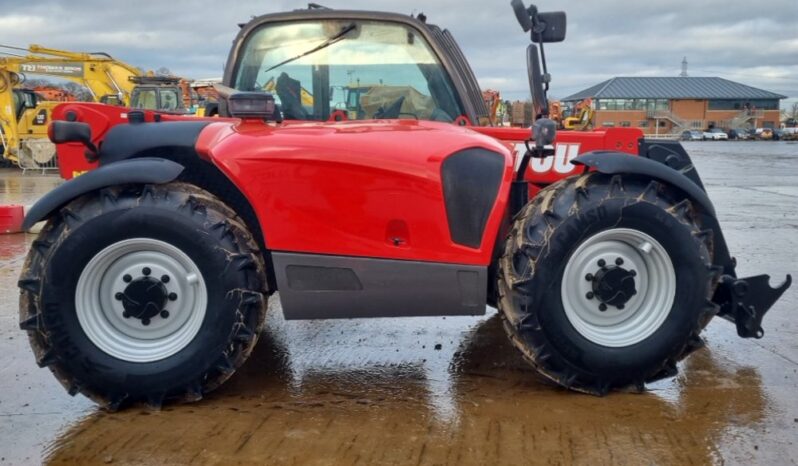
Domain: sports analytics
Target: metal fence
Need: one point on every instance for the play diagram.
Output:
(37, 154)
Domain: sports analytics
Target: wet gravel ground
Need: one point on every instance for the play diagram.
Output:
(380, 392)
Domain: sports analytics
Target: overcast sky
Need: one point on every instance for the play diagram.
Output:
(755, 43)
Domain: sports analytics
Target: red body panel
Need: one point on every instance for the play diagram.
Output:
(357, 188)
(101, 118)
(354, 188)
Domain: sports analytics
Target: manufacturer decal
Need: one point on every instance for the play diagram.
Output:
(560, 162)
(41, 118)
(53, 68)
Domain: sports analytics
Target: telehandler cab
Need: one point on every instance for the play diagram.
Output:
(150, 279)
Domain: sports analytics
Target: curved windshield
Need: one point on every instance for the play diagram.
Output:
(358, 69)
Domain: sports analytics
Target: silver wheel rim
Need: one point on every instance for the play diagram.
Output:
(101, 314)
(644, 312)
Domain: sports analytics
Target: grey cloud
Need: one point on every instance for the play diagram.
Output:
(756, 44)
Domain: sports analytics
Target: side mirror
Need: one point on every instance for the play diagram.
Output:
(522, 15)
(551, 26)
(544, 27)
(537, 82)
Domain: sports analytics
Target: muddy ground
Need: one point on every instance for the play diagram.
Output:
(379, 392)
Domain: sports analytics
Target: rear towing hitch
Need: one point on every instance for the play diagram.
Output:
(745, 301)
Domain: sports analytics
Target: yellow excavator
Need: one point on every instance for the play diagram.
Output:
(583, 119)
(24, 115)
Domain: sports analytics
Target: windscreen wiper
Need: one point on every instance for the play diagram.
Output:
(332, 40)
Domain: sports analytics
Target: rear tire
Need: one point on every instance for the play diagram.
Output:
(605, 282)
(143, 293)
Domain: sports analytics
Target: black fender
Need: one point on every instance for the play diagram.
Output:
(616, 163)
(132, 171)
(142, 139)
(680, 175)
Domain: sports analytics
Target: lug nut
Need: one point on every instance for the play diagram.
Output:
(165, 279)
(164, 314)
(119, 296)
(601, 263)
(619, 261)
(620, 306)
(633, 273)
(126, 315)
(589, 295)
(145, 321)
(127, 278)
(172, 296)
(602, 307)
(589, 277)
(146, 271)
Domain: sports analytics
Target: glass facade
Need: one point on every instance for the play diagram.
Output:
(632, 104)
(729, 104)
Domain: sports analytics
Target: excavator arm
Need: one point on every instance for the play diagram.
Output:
(100, 73)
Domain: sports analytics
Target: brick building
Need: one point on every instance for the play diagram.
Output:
(675, 104)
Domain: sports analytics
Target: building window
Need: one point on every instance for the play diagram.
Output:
(625, 124)
(768, 124)
(662, 123)
(608, 124)
(737, 104)
(643, 124)
(696, 124)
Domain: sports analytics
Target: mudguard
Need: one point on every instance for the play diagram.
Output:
(135, 139)
(613, 163)
(139, 170)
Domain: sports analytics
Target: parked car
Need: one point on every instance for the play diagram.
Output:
(739, 134)
(789, 134)
(692, 136)
(715, 134)
(765, 134)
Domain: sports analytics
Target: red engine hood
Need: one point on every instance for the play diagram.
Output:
(404, 140)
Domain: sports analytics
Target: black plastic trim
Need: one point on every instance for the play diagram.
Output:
(471, 179)
(125, 141)
(338, 287)
(141, 170)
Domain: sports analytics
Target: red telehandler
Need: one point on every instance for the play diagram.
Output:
(150, 279)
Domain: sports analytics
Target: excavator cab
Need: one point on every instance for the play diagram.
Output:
(24, 99)
(160, 93)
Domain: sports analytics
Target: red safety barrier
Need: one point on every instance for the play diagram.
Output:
(11, 218)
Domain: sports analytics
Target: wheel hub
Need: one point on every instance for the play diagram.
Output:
(618, 287)
(141, 300)
(144, 298)
(614, 285)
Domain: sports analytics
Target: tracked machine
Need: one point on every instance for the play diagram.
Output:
(150, 278)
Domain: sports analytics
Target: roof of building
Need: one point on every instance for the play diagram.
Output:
(672, 88)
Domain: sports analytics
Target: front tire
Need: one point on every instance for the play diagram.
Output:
(605, 282)
(143, 293)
